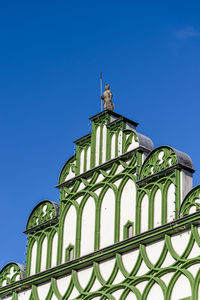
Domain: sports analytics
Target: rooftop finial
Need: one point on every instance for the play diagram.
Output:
(107, 98)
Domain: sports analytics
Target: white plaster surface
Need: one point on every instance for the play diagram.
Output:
(195, 251)
(63, 284)
(119, 169)
(84, 276)
(106, 268)
(98, 191)
(7, 298)
(82, 161)
(33, 258)
(44, 255)
(43, 290)
(157, 208)
(169, 260)
(180, 241)
(154, 251)
(194, 269)
(100, 178)
(104, 144)
(74, 293)
(107, 221)
(113, 141)
(129, 259)
(155, 293)
(88, 158)
(97, 145)
(96, 286)
(133, 145)
(54, 250)
(69, 175)
(167, 277)
(141, 286)
(23, 295)
(171, 203)
(117, 182)
(120, 143)
(119, 278)
(117, 293)
(81, 186)
(144, 213)
(186, 183)
(88, 227)
(143, 269)
(181, 289)
(131, 296)
(128, 205)
(69, 233)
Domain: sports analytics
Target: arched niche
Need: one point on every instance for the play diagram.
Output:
(88, 227)
(107, 219)
(43, 254)
(33, 257)
(69, 230)
(127, 206)
(157, 208)
(144, 213)
(54, 250)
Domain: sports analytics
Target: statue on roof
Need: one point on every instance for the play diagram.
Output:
(107, 98)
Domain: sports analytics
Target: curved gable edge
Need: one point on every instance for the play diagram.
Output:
(55, 206)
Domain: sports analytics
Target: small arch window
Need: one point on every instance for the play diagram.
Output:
(69, 253)
(128, 230)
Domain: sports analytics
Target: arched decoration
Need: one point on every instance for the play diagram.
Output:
(88, 227)
(191, 203)
(162, 158)
(130, 140)
(107, 219)
(10, 273)
(69, 170)
(43, 263)
(54, 247)
(45, 211)
(127, 194)
(69, 230)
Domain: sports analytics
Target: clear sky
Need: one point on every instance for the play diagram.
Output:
(51, 54)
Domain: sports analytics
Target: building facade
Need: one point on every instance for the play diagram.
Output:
(126, 227)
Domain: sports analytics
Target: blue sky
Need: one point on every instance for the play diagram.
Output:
(51, 54)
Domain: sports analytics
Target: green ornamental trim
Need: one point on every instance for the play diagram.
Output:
(191, 203)
(43, 212)
(158, 160)
(12, 272)
(70, 165)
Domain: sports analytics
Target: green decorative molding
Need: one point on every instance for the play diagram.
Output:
(43, 212)
(191, 203)
(158, 160)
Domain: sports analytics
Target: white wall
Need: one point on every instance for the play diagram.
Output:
(33, 258)
(128, 205)
(157, 208)
(97, 145)
(171, 203)
(54, 250)
(144, 213)
(69, 233)
(44, 255)
(107, 221)
(88, 227)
